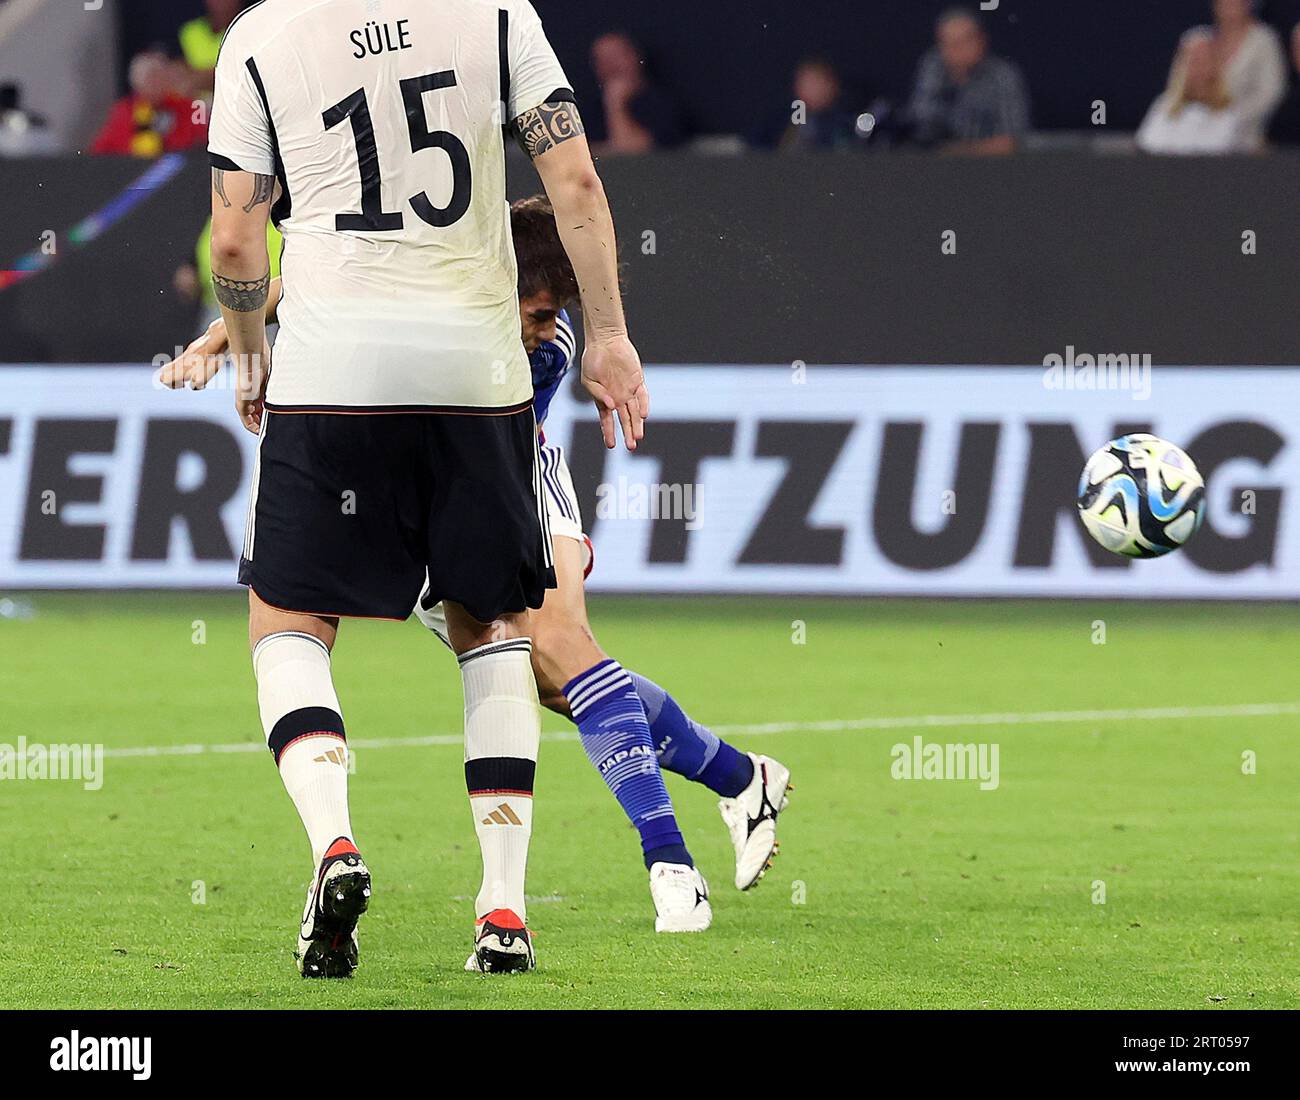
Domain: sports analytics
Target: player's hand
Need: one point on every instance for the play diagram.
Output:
(250, 389)
(611, 371)
(200, 362)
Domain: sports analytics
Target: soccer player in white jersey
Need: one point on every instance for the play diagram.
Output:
(397, 438)
(752, 787)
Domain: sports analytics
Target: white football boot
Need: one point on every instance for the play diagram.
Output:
(751, 819)
(327, 939)
(681, 898)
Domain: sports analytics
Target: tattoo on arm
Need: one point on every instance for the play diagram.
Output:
(263, 189)
(219, 186)
(242, 295)
(545, 127)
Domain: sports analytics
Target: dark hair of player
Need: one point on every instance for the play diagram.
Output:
(543, 264)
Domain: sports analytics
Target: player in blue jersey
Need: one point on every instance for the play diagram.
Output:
(752, 788)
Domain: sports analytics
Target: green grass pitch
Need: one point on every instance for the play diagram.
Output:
(887, 893)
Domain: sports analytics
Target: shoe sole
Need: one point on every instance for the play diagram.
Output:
(494, 961)
(332, 952)
(776, 844)
(664, 928)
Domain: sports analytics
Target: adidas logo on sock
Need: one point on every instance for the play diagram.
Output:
(502, 815)
(334, 756)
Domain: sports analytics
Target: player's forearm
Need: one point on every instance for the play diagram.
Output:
(241, 265)
(553, 135)
(241, 280)
(587, 232)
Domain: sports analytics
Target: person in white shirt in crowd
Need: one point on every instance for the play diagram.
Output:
(1195, 114)
(1252, 61)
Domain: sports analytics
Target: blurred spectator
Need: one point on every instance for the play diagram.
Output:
(22, 134)
(965, 100)
(1285, 129)
(1252, 61)
(154, 118)
(819, 118)
(1195, 114)
(200, 41)
(639, 115)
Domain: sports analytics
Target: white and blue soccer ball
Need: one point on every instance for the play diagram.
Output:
(1141, 496)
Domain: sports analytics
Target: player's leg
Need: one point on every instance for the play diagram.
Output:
(488, 560)
(602, 702)
(753, 788)
(683, 745)
(502, 731)
(689, 748)
(502, 728)
(304, 730)
(325, 539)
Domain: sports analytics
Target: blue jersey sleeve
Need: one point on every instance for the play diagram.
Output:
(550, 363)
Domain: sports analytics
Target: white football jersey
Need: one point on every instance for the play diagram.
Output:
(384, 122)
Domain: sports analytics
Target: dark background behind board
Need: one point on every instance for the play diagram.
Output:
(769, 259)
(730, 61)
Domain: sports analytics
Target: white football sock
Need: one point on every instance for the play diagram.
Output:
(304, 730)
(503, 727)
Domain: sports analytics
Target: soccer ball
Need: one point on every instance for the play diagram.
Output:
(1141, 496)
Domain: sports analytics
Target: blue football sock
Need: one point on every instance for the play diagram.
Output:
(689, 749)
(613, 729)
